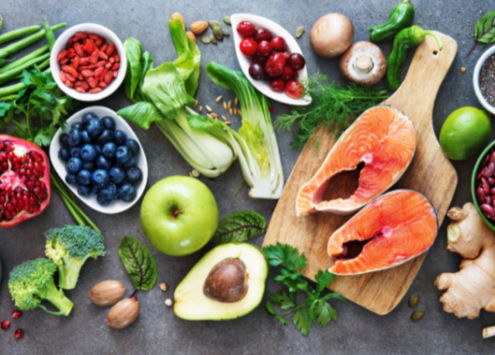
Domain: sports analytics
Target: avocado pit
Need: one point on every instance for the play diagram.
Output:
(227, 281)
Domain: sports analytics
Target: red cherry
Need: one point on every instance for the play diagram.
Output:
(278, 43)
(294, 89)
(245, 29)
(19, 333)
(16, 314)
(275, 64)
(277, 85)
(287, 54)
(262, 34)
(5, 324)
(296, 61)
(265, 48)
(248, 47)
(258, 59)
(288, 74)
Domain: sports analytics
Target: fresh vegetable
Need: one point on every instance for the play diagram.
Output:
(69, 247)
(333, 107)
(484, 182)
(403, 42)
(239, 227)
(471, 288)
(13, 73)
(29, 57)
(363, 63)
(331, 35)
(50, 37)
(123, 313)
(402, 16)
(107, 293)
(316, 307)
(9, 36)
(484, 30)
(139, 263)
(1, 20)
(31, 282)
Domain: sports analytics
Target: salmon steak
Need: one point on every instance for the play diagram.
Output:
(390, 230)
(384, 140)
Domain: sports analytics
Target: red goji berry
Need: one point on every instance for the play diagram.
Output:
(95, 90)
(102, 55)
(93, 59)
(75, 62)
(116, 66)
(90, 46)
(109, 77)
(78, 49)
(117, 58)
(81, 90)
(87, 73)
(91, 81)
(64, 61)
(62, 55)
(110, 50)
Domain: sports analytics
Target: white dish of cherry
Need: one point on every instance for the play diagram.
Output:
(279, 66)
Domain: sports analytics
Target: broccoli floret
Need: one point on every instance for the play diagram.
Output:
(69, 247)
(32, 282)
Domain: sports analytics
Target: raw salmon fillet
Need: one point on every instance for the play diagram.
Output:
(396, 228)
(382, 138)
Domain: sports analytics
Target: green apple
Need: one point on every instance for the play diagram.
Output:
(179, 215)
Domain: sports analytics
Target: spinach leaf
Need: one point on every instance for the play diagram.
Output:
(133, 75)
(484, 30)
(139, 263)
(146, 64)
(239, 227)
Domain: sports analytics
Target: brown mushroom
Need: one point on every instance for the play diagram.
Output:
(363, 63)
(331, 35)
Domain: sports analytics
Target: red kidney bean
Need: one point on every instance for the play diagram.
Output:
(488, 209)
(489, 170)
(488, 200)
(486, 186)
(485, 160)
(492, 156)
(491, 181)
(480, 194)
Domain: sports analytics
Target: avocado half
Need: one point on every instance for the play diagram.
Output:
(191, 303)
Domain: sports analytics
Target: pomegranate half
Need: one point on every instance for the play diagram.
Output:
(25, 189)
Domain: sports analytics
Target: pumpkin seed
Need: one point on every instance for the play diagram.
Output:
(218, 34)
(213, 40)
(413, 300)
(299, 31)
(205, 39)
(417, 315)
(215, 24)
(226, 33)
(226, 19)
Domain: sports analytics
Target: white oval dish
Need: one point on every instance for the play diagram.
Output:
(115, 206)
(276, 30)
(476, 79)
(110, 37)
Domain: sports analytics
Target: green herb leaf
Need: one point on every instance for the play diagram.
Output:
(323, 279)
(284, 300)
(325, 313)
(142, 113)
(484, 31)
(286, 254)
(134, 67)
(300, 319)
(239, 226)
(139, 263)
(269, 308)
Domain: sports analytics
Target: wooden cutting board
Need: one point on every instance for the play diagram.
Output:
(429, 173)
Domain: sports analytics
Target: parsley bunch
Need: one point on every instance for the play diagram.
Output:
(315, 307)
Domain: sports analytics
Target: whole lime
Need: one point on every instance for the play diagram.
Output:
(465, 133)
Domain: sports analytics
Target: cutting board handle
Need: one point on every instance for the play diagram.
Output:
(426, 73)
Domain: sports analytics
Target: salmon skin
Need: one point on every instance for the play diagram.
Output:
(392, 229)
(382, 138)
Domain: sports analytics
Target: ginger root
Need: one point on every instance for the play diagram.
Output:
(473, 287)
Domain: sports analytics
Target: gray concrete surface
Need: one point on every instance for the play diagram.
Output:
(157, 330)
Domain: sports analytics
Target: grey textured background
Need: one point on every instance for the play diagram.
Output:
(157, 330)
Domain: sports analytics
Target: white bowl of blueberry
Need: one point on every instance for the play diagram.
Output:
(101, 160)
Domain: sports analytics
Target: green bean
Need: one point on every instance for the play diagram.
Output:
(24, 59)
(8, 98)
(1, 20)
(9, 36)
(17, 46)
(9, 75)
(50, 37)
(15, 88)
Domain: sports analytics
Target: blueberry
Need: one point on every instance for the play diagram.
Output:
(64, 154)
(83, 190)
(108, 150)
(108, 123)
(97, 148)
(133, 175)
(64, 140)
(85, 138)
(117, 175)
(75, 152)
(87, 117)
(84, 177)
(88, 153)
(109, 191)
(127, 192)
(88, 165)
(74, 165)
(78, 125)
(133, 146)
(105, 137)
(103, 163)
(123, 154)
(94, 190)
(74, 137)
(120, 137)
(102, 200)
(131, 163)
(95, 127)
(71, 179)
(100, 178)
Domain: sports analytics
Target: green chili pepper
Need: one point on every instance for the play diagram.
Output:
(401, 17)
(403, 42)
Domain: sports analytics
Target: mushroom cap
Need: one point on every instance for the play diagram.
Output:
(359, 56)
(331, 35)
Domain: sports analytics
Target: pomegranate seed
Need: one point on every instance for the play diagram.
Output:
(16, 314)
(19, 333)
(5, 324)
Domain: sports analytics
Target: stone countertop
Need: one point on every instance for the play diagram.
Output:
(157, 330)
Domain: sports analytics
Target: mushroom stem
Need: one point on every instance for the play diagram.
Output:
(363, 63)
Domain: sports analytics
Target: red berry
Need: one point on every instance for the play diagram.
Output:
(248, 47)
(258, 59)
(19, 333)
(277, 85)
(287, 54)
(245, 29)
(296, 61)
(278, 43)
(262, 34)
(16, 314)
(275, 64)
(288, 74)
(294, 89)
(265, 48)
(256, 71)
(5, 324)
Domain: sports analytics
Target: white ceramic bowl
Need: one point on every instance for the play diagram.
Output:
(476, 79)
(115, 206)
(61, 44)
(291, 43)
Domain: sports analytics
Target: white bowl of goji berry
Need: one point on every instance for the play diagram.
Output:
(88, 62)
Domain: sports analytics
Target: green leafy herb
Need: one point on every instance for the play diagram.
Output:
(132, 76)
(315, 307)
(239, 227)
(484, 30)
(139, 263)
(334, 106)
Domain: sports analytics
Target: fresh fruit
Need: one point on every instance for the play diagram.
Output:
(103, 163)
(120, 137)
(245, 29)
(262, 34)
(74, 137)
(258, 59)
(133, 175)
(391, 230)
(384, 140)
(296, 61)
(133, 146)
(265, 48)
(294, 89)
(278, 44)
(100, 178)
(227, 283)
(277, 85)
(95, 127)
(248, 47)
(5, 324)
(179, 215)
(88, 153)
(275, 64)
(108, 123)
(123, 154)
(74, 165)
(117, 175)
(127, 192)
(256, 71)
(465, 133)
(288, 74)
(84, 177)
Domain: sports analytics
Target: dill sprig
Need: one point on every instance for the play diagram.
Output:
(333, 105)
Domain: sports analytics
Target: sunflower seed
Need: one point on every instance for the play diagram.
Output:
(205, 39)
(218, 34)
(213, 40)
(226, 33)
(417, 315)
(215, 24)
(226, 19)
(299, 31)
(413, 300)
